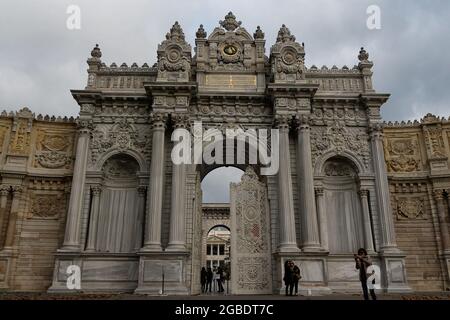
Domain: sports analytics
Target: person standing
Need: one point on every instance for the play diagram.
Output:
(295, 277)
(288, 277)
(363, 261)
(220, 279)
(209, 279)
(203, 279)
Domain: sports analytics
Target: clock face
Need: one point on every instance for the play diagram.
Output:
(230, 50)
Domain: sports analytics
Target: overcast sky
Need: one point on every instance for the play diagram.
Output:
(41, 59)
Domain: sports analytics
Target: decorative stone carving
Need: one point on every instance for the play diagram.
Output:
(20, 141)
(287, 58)
(118, 167)
(401, 155)
(53, 159)
(122, 136)
(250, 246)
(47, 206)
(410, 208)
(201, 33)
(435, 142)
(96, 53)
(230, 23)
(258, 33)
(338, 169)
(53, 150)
(340, 138)
(174, 57)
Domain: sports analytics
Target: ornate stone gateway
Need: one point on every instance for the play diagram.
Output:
(251, 271)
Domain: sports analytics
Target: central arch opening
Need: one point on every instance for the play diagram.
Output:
(216, 240)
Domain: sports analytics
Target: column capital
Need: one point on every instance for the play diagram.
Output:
(142, 191)
(158, 120)
(4, 190)
(17, 190)
(376, 131)
(438, 194)
(302, 122)
(180, 120)
(319, 191)
(282, 121)
(96, 189)
(363, 193)
(85, 126)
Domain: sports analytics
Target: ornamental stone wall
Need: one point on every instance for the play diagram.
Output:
(331, 130)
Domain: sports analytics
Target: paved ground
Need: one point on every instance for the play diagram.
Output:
(45, 296)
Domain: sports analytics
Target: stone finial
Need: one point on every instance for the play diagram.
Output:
(284, 35)
(230, 23)
(96, 53)
(201, 33)
(363, 55)
(176, 33)
(258, 33)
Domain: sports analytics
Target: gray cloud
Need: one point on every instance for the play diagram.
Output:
(41, 60)
(216, 184)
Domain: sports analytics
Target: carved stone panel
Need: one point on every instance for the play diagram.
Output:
(53, 149)
(402, 154)
(250, 237)
(410, 208)
(339, 138)
(20, 139)
(46, 206)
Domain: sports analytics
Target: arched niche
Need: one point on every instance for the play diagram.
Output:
(121, 208)
(344, 217)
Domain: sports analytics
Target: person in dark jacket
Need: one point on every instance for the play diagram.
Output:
(363, 261)
(295, 277)
(288, 277)
(209, 279)
(203, 279)
(220, 279)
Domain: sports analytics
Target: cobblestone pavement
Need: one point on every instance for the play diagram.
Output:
(127, 296)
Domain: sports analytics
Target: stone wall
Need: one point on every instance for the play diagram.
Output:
(419, 176)
(37, 155)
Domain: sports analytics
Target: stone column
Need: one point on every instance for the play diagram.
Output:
(93, 220)
(310, 228)
(288, 239)
(4, 192)
(177, 234)
(368, 239)
(72, 235)
(323, 226)
(156, 185)
(441, 208)
(388, 240)
(140, 223)
(11, 230)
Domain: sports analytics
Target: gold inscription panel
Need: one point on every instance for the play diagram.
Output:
(231, 80)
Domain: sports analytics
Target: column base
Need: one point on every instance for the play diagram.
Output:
(176, 248)
(393, 271)
(162, 273)
(446, 257)
(156, 247)
(288, 248)
(69, 248)
(313, 249)
(5, 269)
